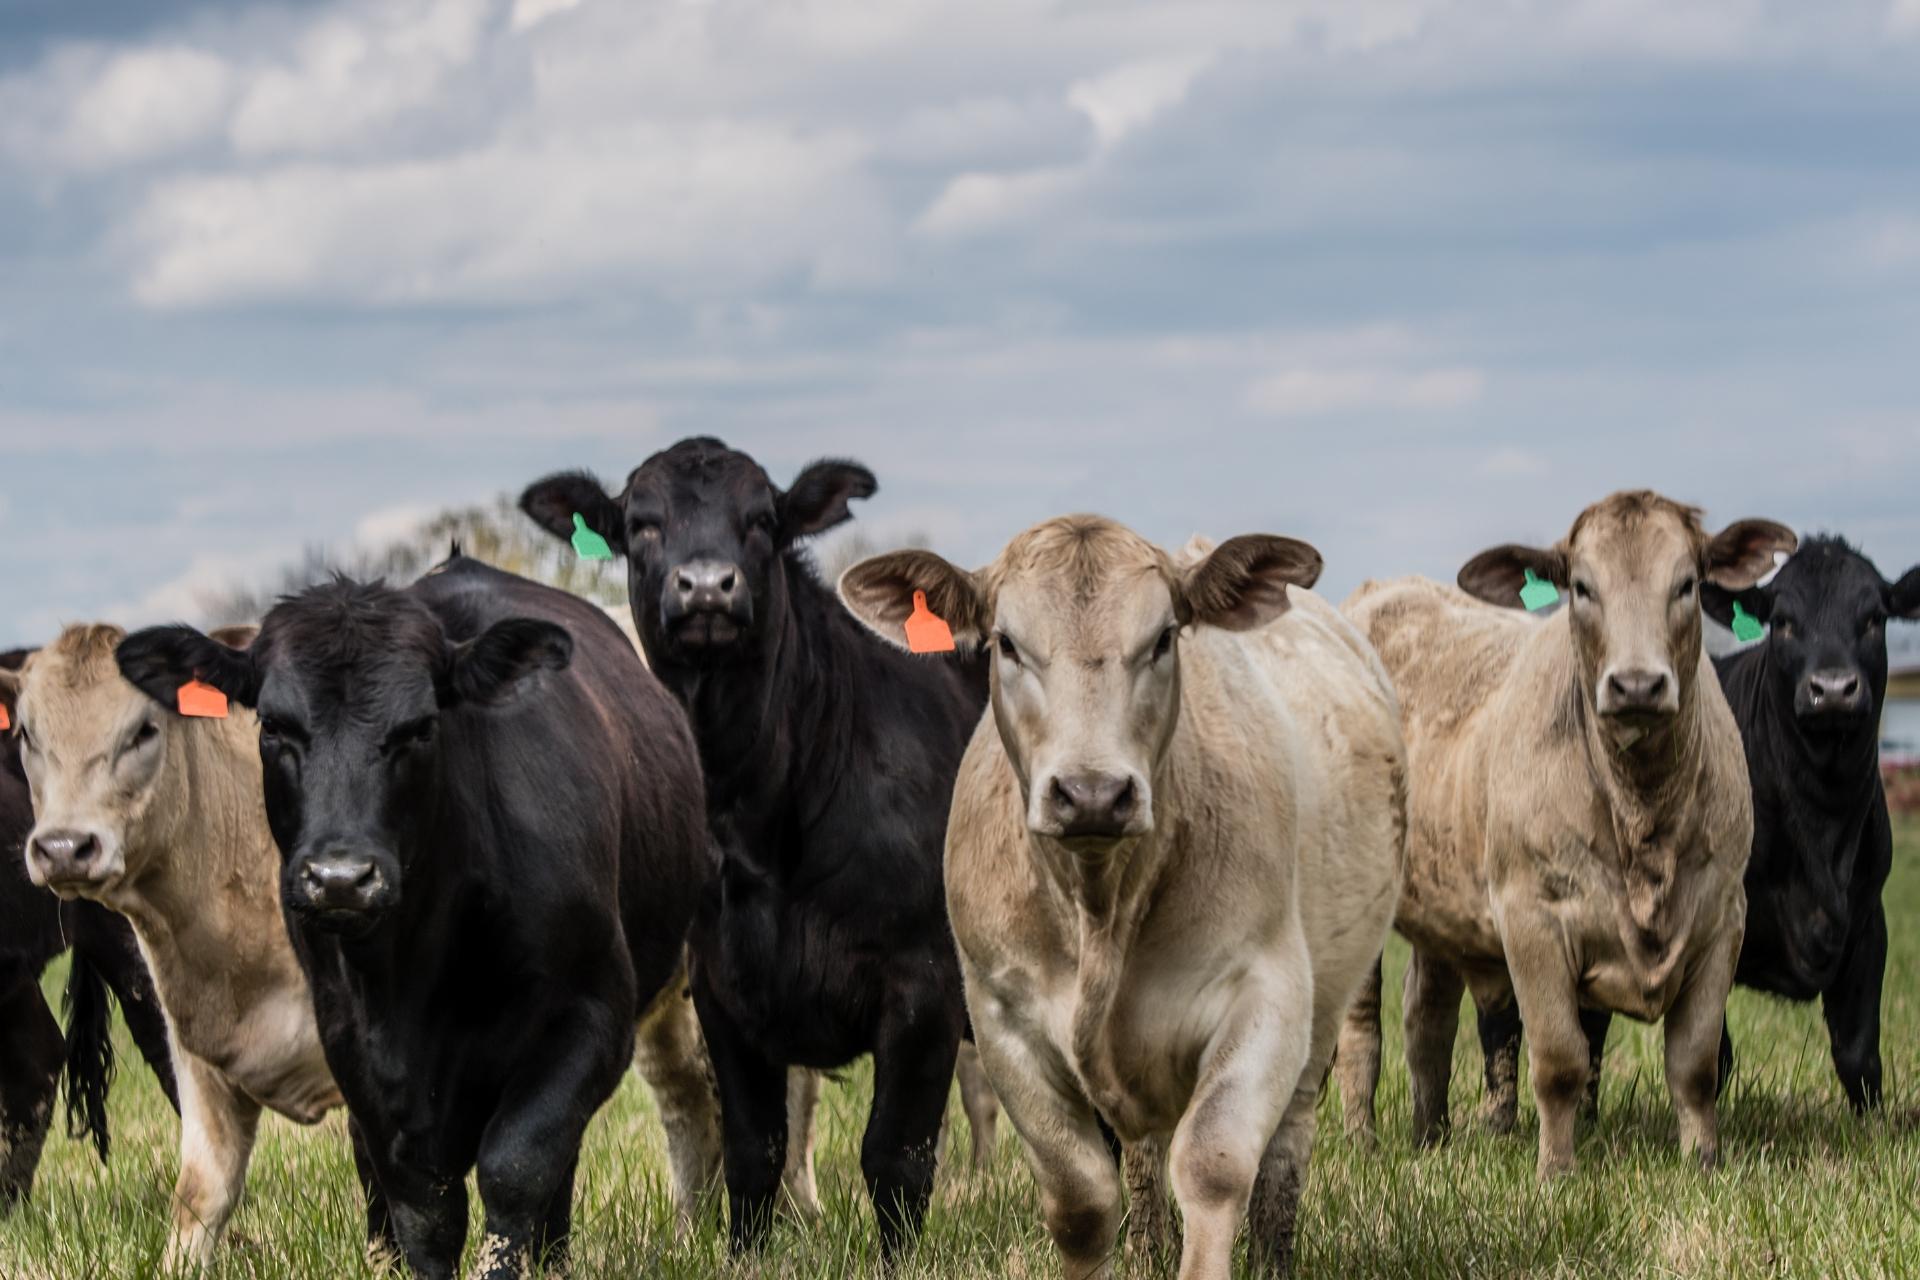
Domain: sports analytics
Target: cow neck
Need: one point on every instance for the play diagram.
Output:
(1833, 771)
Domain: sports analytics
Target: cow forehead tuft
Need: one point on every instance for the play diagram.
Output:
(1631, 510)
(1087, 551)
(340, 623)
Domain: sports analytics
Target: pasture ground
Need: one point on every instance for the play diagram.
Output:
(1806, 1189)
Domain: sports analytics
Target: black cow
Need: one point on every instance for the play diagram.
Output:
(1808, 699)
(491, 827)
(830, 758)
(35, 927)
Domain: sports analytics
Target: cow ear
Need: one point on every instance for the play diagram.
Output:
(159, 660)
(1498, 574)
(495, 664)
(10, 695)
(1903, 598)
(1244, 582)
(1717, 603)
(1742, 553)
(818, 498)
(880, 592)
(553, 502)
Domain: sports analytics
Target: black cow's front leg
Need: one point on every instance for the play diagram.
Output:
(532, 1144)
(912, 1069)
(1852, 1008)
(429, 1214)
(383, 1242)
(31, 1049)
(753, 1121)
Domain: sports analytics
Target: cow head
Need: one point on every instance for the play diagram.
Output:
(1084, 619)
(1827, 651)
(353, 684)
(107, 769)
(1633, 565)
(706, 537)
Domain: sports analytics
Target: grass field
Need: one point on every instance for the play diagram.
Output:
(1806, 1190)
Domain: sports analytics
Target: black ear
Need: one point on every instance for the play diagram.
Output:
(818, 499)
(159, 660)
(1742, 553)
(1717, 602)
(1243, 582)
(491, 666)
(1903, 597)
(1497, 575)
(554, 501)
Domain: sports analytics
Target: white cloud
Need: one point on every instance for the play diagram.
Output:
(185, 595)
(1306, 391)
(1127, 98)
(1903, 17)
(389, 525)
(144, 104)
(1504, 463)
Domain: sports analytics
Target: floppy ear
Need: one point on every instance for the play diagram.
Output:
(1742, 553)
(1498, 574)
(494, 664)
(1244, 582)
(553, 502)
(818, 498)
(1717, 602)
(879, 592)
(159, 660)
(1903, 597)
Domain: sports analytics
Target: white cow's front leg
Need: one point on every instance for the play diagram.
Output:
(217, 1124)
(1247, 1078)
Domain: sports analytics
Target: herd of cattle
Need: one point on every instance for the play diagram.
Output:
(452, 854)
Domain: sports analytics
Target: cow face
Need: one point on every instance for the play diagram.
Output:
(1633, 565)
(706, 535)
(1827, 651)
(353, 685)
(106, 768)
(1084, 619)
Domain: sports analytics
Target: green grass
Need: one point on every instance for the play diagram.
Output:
(1806, 1189)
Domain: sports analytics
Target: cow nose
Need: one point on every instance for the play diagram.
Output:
(65, 853)
(341, 882)
(706, 586)
(1092, 804)
(1834, 690)
(1637, 690)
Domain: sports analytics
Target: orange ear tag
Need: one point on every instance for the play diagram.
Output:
(926, 631)
(202, 700)
(6, 721)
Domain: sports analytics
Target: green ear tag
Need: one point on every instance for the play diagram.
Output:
(587, 544)
(1538, 593)
(1746, 627)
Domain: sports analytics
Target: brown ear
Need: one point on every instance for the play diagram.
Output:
(1498, 574)
(1742, 553)
(239, 636)
(879, 591)
(1244, 582)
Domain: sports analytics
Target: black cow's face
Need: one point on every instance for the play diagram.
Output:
(353, 685)
(705, 534)
(1828, 608)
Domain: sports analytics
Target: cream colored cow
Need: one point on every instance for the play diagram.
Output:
(1580, 809)
(1173, 854)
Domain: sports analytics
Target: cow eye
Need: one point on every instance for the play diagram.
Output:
(1164, 645)
(1685, 589)
(412, 734)
(642, 529)
(1006, 648)
(1873, 623)
(1784, 628)
(146, 733)
(274, 730)
(1581, 591)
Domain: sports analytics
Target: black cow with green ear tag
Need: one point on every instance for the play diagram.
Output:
(830, 758)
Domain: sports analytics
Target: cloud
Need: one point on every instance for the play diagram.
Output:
(1513, 463)
(1305, 392)
(1903, 17)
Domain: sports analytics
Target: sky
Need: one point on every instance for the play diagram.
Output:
(1405, 278)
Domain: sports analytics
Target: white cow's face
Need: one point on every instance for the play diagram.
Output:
(1083, 618)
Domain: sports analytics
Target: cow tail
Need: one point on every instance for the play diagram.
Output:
(89, 1067)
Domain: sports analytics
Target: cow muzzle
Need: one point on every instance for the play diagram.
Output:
(1639, 694)
(340, 888)
(1091, 808)
(1836, 696)
(69, 861)
(706, 605)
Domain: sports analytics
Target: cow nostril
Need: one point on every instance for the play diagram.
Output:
(683, 584)
(726, 584)
(1123, 802)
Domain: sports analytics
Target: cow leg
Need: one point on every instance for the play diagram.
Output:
(1274, 1212)
(217, 1124)
(1497, 1018)
(977, 1100)
(110, 945)
(1544, 987)
(753, 1121)
(530, 1147)
(1151, 1231)
(671, 1056)
(1356, 1063)
(1431, 1014)
(1693, 1028)
(1251, 1075)
(796, 1178)
(552, 1243)
(913, 1059)
(1852, 1009)
(429, 1215)
(1595, 1023)
(383, 1243)
(31, 1051)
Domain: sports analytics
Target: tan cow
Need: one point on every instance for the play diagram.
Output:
(1580, 808)
(1173, 853)
(160, 817)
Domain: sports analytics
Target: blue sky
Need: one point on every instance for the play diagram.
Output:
(1403, 277)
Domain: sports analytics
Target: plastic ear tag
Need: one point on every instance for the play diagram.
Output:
(587, 544)
(203, 700)
(6, 721)
(1746, 627)
(927, 632)
(1538, 593)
